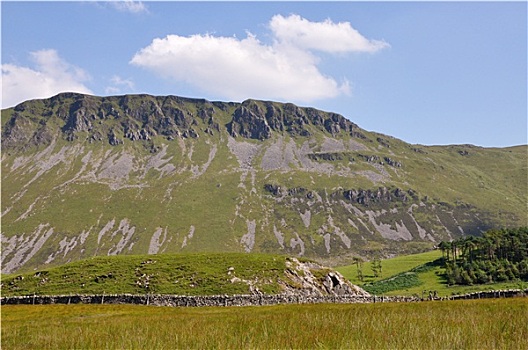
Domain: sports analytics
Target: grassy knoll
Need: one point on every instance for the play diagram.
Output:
(465, 324)
(414, 274)
(189, 274)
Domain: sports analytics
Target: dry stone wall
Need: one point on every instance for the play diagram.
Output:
(238, 300)
(509, 293)
(190, 300)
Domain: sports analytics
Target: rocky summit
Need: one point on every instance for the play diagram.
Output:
(85, 175)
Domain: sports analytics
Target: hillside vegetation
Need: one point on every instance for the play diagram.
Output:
(180, 274)
(416, 274)
(86, 176)
(497, 256)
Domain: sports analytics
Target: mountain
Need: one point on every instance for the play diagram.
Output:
(139, 174)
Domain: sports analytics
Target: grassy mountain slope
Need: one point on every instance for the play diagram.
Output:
(85, 176)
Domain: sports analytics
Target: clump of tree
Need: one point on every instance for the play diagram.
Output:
(497, 256)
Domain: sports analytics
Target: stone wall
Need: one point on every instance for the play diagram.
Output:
(235, 300)
(509, 293)
(189, 300)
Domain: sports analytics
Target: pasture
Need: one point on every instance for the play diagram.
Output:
(464, 324)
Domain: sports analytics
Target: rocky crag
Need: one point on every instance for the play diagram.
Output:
(85, 175)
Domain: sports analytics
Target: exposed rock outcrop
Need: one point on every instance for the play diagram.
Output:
(310, 278)
(138, 117)
(249, 123)
(382, 194)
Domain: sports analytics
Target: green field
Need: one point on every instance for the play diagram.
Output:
(390, 267)
(421, 281)
(471, 324)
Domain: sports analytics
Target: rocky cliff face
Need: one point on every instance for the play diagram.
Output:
(141, 117)
(85, 175)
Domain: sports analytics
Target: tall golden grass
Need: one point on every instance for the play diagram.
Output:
(465, 324)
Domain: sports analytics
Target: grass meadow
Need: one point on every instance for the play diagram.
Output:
(464, 324)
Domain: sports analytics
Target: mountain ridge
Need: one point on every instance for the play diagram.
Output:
(133, 174)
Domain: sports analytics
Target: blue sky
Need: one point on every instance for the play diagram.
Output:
(424, 72)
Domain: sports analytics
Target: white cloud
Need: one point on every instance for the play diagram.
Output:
(118, 84)
(51, 76)
(238, 69)
(129, 6)
(323, 36)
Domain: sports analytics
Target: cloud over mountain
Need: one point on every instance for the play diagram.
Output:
(237, 69)
(51, 75)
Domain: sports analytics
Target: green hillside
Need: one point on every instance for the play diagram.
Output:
(86, 176)
(178, 274)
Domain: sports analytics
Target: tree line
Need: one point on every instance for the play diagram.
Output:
(497, 256)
